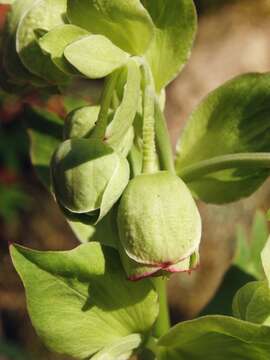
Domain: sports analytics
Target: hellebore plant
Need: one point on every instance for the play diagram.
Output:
(111, 170)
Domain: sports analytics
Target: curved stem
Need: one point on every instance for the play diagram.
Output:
(164, 146)
(106, 100)
(241, 160)
(149, 147)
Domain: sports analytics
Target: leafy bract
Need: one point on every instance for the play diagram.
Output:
(55, 42)
(265, 256)
(41, 17)
(224, 152)
(126, 111)
(126, 23)
(80, 302)
(175, 28)
(215, 337)
(248, 251)
(252, 303)
(95, 56)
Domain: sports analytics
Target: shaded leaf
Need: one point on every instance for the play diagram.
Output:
(215, 337)
(265, 256)
(252, 303)
(224, 152)
(221, 303)
(248, 251)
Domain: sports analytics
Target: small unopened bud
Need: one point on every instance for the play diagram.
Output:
(88, 177)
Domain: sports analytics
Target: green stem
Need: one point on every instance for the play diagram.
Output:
(162, 324)
(218, 163)
(164, 146)
(106, 100)
(149, 146)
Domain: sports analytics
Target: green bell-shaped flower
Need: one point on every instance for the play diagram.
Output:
(88, 177)
(159, 225)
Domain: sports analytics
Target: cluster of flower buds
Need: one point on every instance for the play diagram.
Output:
(99, 168)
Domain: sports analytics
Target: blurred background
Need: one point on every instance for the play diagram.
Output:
(233, 38)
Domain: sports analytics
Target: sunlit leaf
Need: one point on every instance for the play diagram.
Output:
(80, 302)
(126, 23)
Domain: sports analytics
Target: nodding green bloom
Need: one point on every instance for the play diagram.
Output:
(159, 226)
(88, 177)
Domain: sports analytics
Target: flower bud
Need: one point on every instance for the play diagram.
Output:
(158, 222)
(80, 122)
(88, 177)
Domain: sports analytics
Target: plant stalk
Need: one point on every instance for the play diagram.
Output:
(106, 100)
(223, 162)
(164, 146)
(162, 324)
(149, 146)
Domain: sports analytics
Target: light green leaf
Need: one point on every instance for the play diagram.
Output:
(42, 16)
(265, 256)
(95, 56)
(126, 112)
(122, 350)
(80, 302)
(7, 1)
(175, 28)
(55, 42)
(215, 337)
(224, 152)
(248, 250)
(126, 23)
(252, 303)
